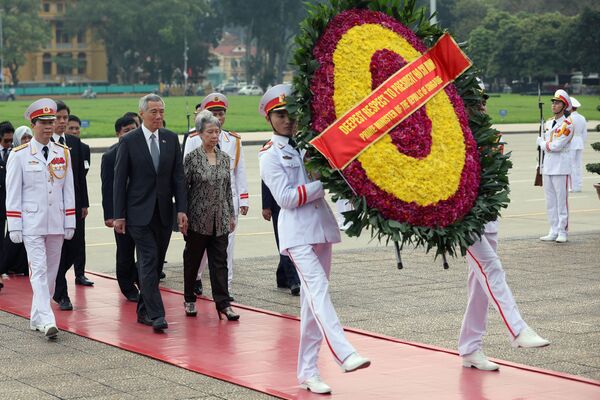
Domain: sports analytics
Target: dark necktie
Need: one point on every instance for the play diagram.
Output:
(61, 140)
(154, 153)
(553, 123)
(4, 154)
(45, 151)
(293, 143)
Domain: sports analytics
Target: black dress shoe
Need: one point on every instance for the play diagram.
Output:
(134, 297)
(82, 280)
(295, 289)
(159, 324)
(198, 287)
(65, 304)
(143, 319)
(162, 275)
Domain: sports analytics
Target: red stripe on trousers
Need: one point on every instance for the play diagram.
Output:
(492, 294)
(314, 311)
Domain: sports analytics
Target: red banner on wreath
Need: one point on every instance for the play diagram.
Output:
(392, 102)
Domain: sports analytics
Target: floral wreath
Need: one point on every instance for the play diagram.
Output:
(437, 177)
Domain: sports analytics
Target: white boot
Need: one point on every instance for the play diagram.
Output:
(528, 339)
(549, 238)
(478, 360)
(561, 238)
(316, 385)
(51, 331)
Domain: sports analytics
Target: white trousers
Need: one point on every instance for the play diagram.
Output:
(318, 319)
(486, 284)
(556, 188)
(576, 169)
(204, 261)
(43, 253)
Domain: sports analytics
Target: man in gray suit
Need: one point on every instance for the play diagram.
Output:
(148, 174)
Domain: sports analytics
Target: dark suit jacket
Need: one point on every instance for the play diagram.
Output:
(79, 180)
(107, 176)
(86, 156)
(268, 201)
(2, 192)
(138, 187)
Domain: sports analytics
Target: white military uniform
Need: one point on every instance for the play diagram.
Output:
(577, 145)
(230, 143)
(556, 168)
(487, 284)
(307, 230)
(41, 204)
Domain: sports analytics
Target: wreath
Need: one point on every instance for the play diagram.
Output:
(436, 178)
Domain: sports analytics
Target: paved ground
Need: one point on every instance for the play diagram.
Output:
(556, 286)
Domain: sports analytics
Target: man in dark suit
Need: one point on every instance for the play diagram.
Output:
(72, 247)
(126, 270)
(74, 128)
(148, 174)
(287, 277)
(6, 138)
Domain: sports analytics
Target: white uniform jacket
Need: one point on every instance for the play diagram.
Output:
(230, 143)
(557, 146)
(305, 217)
(39, 201)
(580, 131)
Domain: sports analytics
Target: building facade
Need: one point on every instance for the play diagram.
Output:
(67, 58)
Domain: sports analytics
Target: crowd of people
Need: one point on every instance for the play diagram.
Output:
(152, 185)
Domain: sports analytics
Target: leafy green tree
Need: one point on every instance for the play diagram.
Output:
(146, 40)
(24, 32)
(584, 40)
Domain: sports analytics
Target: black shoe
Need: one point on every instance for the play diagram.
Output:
(162, 275)
(143, 319)
(159, 324)
(295, 289)
(133, 297)
(228, 313)
(198, 287)
(284, 286)
(230, 299)
(82, 280)
(65, 304)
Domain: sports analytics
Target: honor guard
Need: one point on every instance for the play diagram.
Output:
(577, 145)
(40, 203)
(230, 143)
(307, 231)
(556, 166)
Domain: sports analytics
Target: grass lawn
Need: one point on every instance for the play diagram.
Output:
(243, 112)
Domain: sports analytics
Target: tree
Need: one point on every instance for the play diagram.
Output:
(270, 26)
(24, 32)
(145, 41)
(584, 39)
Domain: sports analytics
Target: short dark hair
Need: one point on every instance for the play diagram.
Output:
(164, 123)
(74, 118)
(131, 114)
(198, 105)
(123, 121)
(6, 127)
(60, 105)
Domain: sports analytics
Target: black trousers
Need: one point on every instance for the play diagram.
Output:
(151, 243)
(127, 275)
(14, 257)
(70, 250)
(79, 262)
(216, 248)
(286, 272)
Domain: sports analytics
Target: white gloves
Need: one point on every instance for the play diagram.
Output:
(541, 142)
(16, 236)
(69, 232)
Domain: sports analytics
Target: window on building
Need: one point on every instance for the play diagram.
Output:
(46, 7)
(81, 36)
(64, 64)
(60, 7)
(47, 64)
(62, 37)
(81, 63)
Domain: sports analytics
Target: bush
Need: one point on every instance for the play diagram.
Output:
(594, 168)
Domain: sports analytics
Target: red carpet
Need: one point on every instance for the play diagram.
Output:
(259, 352)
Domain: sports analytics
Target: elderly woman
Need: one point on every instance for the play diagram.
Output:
(210, 216)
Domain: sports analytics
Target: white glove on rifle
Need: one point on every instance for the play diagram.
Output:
(69, 232)
(16, 236)
(541, 142)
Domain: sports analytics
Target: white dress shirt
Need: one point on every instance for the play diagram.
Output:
(147, 134)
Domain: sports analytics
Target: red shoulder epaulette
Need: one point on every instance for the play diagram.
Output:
(266, 146)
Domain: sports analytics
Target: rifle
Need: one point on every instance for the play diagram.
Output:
(540, 158)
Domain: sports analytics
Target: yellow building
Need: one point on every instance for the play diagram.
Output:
(67, 58)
